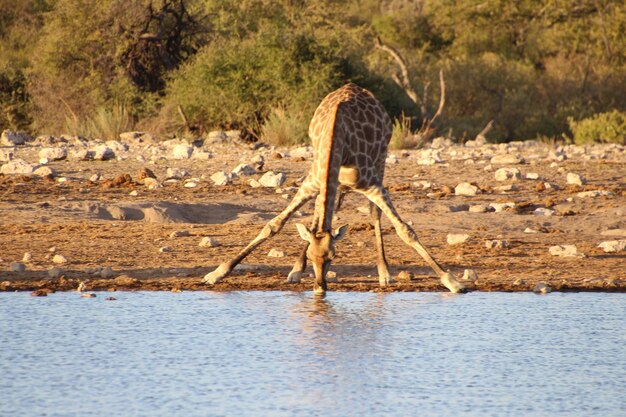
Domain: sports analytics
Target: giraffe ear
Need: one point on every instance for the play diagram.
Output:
(340, 232)
(304, 232)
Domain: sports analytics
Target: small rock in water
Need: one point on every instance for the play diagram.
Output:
(17, 267)
(542, 288)
(566, 251)
(275, 253)
(59, 259)
(455, 239)
(208, 242)
(496, 244)
(575, 179)
(179, 233)
(613, 245)
(88, 295)
(40, 293)
(466, 189)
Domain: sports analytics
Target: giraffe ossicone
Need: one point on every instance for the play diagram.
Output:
(350, 132)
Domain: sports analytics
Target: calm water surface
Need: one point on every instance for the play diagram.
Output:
(289, 354)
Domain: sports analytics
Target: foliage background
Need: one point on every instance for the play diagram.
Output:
(94, 67)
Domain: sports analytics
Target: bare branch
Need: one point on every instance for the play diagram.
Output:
(442, 97)
(402, 81)
(485, 130)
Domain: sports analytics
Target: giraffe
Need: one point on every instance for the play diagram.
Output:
(350, 132)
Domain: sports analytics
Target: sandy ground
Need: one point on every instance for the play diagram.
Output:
(101, 224)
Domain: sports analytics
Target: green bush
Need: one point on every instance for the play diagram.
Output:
(601, 127)
(283, 128)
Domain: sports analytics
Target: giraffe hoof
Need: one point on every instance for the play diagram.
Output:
(217, 275)
(294, 277)
(452, 284)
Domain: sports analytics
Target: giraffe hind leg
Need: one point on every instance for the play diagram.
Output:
(379, 196)
(384, 277)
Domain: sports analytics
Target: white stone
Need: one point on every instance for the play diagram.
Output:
(27, 257)
(498, 207)
(102, 153)
(179, 233)
(151, 183)
(566, 251)
(479, 208)
(504, 174)
(18, 166)
(532, 176)
(575, 179)
(53, 154)
(201, 155)
(429, 157)
(506, 159)
(45, 171)
(613, 245)
(543, 211)
(254, 183)
(133, 193)
(17, 267)
(542, 288)
(208, 242)
(614, 232)
(275, 253)
(466, 189)
(221, 178)
(506, 188)
(593, 193)
(59, 259)
(270, 179)
(244, 169)
(455, 239)
(190, 184)
(182, 151)
(529, 230)
(176, 173)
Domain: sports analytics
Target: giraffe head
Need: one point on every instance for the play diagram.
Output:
(321, 251)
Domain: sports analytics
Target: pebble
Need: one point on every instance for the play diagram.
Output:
(542, 288)
(244, 169)
(575, 179)
(405, 276)
(506, 188)
(179, 233)
(499, 207)
(614, 232)
(331, 276)
(613, 245)
(103, 153)
(166, 249)
(275, 253)
(18, 166)
(519, 282)
(151, 183)
(529, 230)
(53, 154)
(271, 179)
(254, 183)
(543, 211)
(469, 275)
(17, 267)
(190, 184)
(496, 244)
(503, 174)
(133, 193)
(479, 208)
(208, 242)
(27, 257)
(176, 173)
(593, 193)
(455, 239)
(221, 178)
(59, 259)
(466, 189)
(566, 251)
(181, 151)
(532, 176)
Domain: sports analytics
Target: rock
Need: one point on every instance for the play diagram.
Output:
(258, 161)
(45, 172)
(455, 239)
(59, 259)
(529, 230)
(201, 155)
(181, 151)
(593, 194)
(107, 272)
(498, 207)
(613, 245)
(221, 178)
(27, 257)
(176, 173)
(506, 188)
(496, 244)
(12, 138)
(614, 232)
(179, 233)
(88, 295)
(392, 159)
(532, 176)
(17, 267)
(543, 211)
(469, 275)
(151, 183)
(190, 184)
(542, 288)
(40, 293)
(18, 166)
(566, 251)
(479, 208)
(254, 183)
(143, 174)
(208, 242)
(244, 169)
(466, 189)
(83, 155)
(270, 179)
(166, 249)
(405, 276)
(6, 155)
(429, 157)
(55, 272)
(216, 137)
(103, 153)
(506, 159)
(519, 282)
(503, 174)
(53, 154)
(275, 253)
(575, 179)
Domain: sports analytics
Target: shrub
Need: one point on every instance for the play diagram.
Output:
(402, 137)
(284, 128)
(601, 127)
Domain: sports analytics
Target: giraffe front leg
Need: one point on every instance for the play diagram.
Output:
(379, 196)
(304, 194)
(295, 276)
(384, 278)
